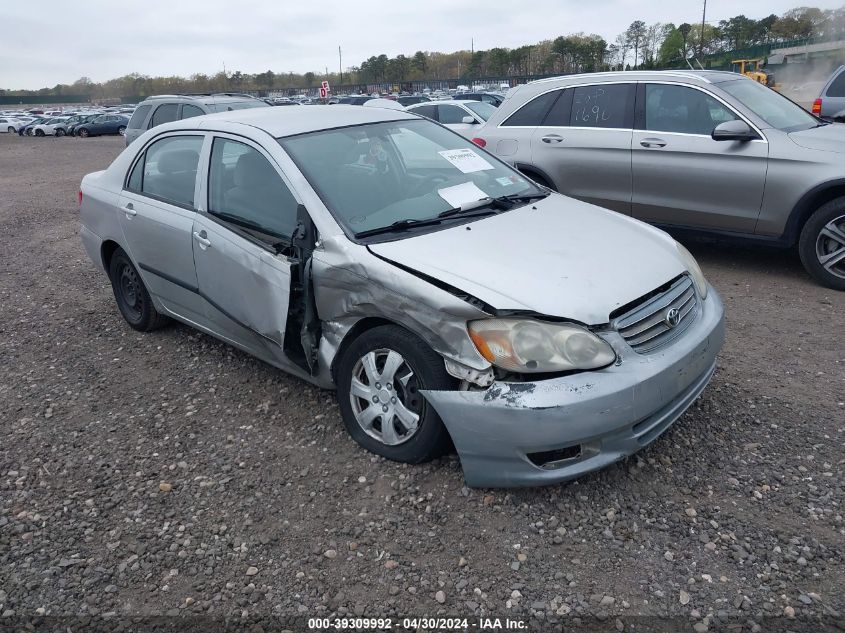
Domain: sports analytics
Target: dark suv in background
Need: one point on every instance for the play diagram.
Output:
(159, 109)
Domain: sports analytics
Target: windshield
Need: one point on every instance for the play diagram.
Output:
(773, 108)
(373, 176)
(482, 109)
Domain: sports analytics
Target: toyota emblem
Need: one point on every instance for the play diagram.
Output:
(672, 318)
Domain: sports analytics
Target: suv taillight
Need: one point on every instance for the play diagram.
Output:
(479, 141)
(817, 107)
(80, 197)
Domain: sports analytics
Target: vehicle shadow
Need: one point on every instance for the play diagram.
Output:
(750, 258)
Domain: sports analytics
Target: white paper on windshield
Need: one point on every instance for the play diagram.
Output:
(466, 160)
(461, 194)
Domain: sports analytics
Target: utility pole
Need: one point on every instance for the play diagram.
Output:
(701, 39)
(340, 63)
(472, 46)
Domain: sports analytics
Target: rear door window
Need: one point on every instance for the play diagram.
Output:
(190, 111)
(428, 111)
(165, 113)
(139, 116)
(533, 112)
(168, 170)
(451, 114)
(603, 106)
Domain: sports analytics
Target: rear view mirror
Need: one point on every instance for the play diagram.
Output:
(468, 119)
(733, 131)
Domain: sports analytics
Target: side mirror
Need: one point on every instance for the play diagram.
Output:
(733, 131)
(468, 119)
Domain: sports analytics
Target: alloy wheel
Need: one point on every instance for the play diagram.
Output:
(830, 247)
(385, 399)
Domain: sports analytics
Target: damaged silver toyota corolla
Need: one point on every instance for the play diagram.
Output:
(445, 296)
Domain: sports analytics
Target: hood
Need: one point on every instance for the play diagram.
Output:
(827, 138)
(559, 257)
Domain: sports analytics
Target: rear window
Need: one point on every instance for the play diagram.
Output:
(837, 86)
(139, 116)
(533, 112)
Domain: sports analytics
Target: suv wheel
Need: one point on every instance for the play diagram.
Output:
(83, 132)
(822, 244)
(379, 379)
(39, 132)
(60, 132)
(121, 130)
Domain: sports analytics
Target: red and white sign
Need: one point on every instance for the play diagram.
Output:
(323, 92)
(325, 85)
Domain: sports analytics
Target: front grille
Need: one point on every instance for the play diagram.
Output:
(647, 326)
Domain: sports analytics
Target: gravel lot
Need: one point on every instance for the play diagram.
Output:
(171, 474)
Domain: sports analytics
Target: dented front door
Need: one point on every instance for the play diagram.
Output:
(246, 287)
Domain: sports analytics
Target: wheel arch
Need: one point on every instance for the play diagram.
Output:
(808, 204)
(107, 250)
(361, 326)
(533, 171)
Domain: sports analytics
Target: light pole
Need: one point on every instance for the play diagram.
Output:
(340, 64)
(701, 39)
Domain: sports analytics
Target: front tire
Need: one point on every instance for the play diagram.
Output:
(39, 132)
(83, 133)
(379, 379)
(121, 130)
(11, 130)
(60, 132)
(822, 244)
(133, 299)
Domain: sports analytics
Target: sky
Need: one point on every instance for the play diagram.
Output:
(103, 39)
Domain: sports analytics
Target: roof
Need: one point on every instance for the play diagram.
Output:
(706, 76)
(289, 121)
(442, 102)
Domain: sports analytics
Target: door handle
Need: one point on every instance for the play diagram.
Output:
(202, 238)
(552, 138)
(129, 210)
(653, 142)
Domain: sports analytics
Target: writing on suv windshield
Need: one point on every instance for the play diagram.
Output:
(398, 175)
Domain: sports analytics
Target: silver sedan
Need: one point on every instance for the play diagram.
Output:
(447, 298)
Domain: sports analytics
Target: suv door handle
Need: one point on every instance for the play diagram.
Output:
(653, 142)
(552, 138)
(129, 210)
(201, 237)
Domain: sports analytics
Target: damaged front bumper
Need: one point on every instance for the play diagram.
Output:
(533, 433)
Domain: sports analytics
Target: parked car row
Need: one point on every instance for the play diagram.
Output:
(81, 124)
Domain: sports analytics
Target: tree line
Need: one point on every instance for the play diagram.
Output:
(641, 45)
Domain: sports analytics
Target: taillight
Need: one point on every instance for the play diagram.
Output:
(817, 107)
(80, 197)
(480, 142)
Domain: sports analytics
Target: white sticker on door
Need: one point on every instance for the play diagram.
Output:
(466, 160)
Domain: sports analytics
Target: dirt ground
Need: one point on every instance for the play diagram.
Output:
(733, 517)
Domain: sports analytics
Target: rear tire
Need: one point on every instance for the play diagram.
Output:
(39, 132)
(121, 130)
(60, 132)
(390, 366)
(822, 244)
(11, 130)
(130, 293)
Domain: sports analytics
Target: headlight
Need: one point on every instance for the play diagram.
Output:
(528, 346)
(694, 270)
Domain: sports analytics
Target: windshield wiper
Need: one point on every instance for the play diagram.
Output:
(523, 197)
(399, 225)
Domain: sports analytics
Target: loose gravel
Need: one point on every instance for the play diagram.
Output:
(170, 474)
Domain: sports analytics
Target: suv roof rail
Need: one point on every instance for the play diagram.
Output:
(203, 94)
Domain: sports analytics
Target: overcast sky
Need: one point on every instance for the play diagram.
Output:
(102, 39)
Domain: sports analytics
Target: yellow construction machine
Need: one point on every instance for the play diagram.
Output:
(754, 69)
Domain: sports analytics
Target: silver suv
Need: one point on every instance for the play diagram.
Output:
(709, 151)
(159, 109)
(831, 102)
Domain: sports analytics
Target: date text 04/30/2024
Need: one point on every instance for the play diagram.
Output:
(425, 623)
